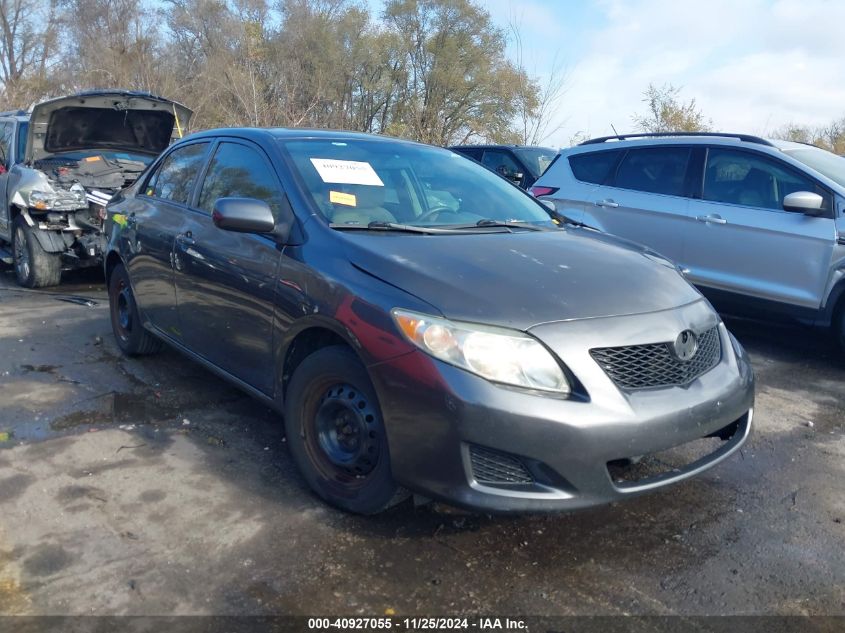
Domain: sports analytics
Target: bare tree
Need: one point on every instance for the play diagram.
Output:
(537, 103)
(830, 136)
(28, 42)
(114, 43)
(433, 70)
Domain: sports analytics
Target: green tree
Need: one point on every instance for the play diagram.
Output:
(666, 112)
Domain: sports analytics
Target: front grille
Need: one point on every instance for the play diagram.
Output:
(656, 365)
(493, 467)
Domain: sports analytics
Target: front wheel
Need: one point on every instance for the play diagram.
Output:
(336, 434)
(34, 267)
(131, 337)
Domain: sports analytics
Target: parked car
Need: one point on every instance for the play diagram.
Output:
(758, 225)
(59, 165)
(520, 164)
(480, 353)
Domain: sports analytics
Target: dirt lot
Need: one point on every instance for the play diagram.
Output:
(151, 487)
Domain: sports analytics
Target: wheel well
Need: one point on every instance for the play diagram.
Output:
(303, 345)
(838, 306)
(112, 260)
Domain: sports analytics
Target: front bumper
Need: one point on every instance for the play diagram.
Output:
(437, 415)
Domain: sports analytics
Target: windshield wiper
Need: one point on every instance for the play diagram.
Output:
(390, 226)
(500, 224)
(563, 219)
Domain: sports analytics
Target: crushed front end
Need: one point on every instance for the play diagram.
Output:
(64, 197)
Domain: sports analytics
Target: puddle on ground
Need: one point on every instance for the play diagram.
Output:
(41, 369)
(117, 408)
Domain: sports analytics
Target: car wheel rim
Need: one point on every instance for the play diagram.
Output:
(122, 306)
(21, 255)
(345, 433)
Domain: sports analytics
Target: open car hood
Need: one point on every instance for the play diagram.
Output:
(106, 120)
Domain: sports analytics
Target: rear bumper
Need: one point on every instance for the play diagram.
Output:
(438, 416)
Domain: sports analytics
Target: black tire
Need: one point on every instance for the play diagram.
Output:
(34, 267)
(131, 337)
(336, 434)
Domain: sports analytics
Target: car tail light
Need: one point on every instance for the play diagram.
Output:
(538, 191)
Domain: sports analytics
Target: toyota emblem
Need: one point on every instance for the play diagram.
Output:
(686, 345)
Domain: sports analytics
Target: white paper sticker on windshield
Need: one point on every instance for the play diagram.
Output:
(347, 172)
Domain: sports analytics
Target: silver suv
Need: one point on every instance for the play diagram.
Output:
(758, 225)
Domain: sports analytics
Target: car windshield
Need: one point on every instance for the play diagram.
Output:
(537, 159)
(358, 182)
(826, 163)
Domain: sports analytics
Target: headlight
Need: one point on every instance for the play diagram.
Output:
(63, 200)
(497, 354)
(739, 351)
(41, 200)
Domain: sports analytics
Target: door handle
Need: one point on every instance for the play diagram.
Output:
(186, 239)
(610, 204)
(713, 219)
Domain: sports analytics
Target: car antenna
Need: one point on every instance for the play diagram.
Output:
(614, 129)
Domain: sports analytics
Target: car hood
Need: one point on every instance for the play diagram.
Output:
(520, 280)
(106, 120)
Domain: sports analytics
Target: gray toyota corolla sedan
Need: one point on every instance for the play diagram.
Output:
(422, 324)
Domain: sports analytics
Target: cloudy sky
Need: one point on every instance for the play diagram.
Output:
(751, 65)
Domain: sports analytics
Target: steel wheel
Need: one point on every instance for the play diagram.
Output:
(336, 434)
(122, 308)
(344, 442)
(131, 336)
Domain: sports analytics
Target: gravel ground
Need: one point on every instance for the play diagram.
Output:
(152, 487)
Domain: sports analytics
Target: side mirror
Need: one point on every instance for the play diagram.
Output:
(243, 215)
(804, 202)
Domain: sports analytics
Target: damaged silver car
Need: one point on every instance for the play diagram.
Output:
(61, 162)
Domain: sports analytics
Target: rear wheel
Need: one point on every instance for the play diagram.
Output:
(336, 434)
(131, 337)
(34, 267)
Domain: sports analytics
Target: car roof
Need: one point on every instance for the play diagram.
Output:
(673, 138)
(500, 146)
(770, 145)
(256, 133)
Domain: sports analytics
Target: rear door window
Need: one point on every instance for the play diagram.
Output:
(473, 153)
(239, 171)
(175, 178)
(594, 167)
(751, 180)
(654, 170)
